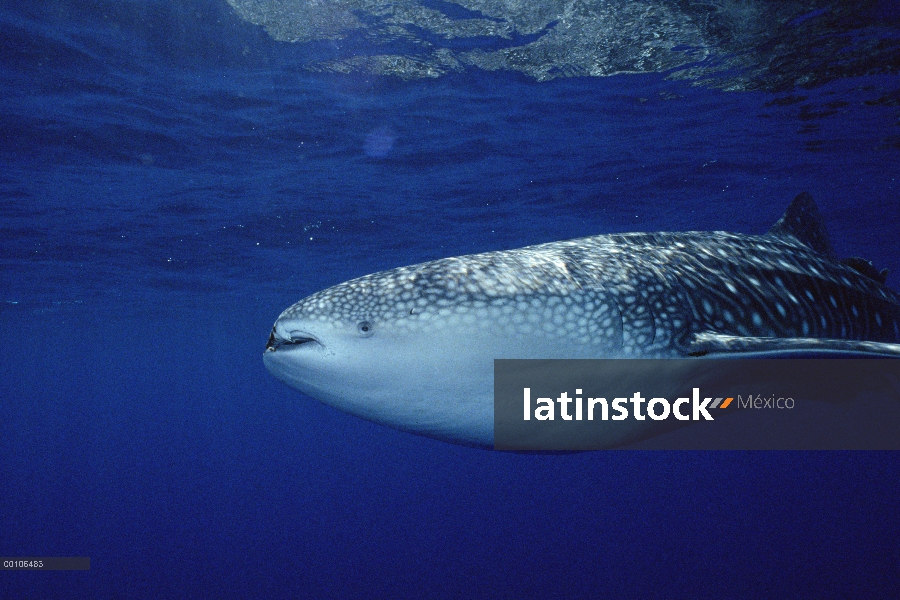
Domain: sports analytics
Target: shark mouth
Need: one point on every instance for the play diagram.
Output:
(276, 341)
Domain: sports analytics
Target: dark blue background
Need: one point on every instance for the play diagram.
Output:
(172, 179)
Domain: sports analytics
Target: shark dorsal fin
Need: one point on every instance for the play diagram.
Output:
(803, 223)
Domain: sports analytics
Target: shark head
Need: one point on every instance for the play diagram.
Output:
(413, 347)
(366, 346)
(386, 347)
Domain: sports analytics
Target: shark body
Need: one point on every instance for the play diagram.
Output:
(413, 347)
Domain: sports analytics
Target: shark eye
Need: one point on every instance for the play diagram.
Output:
(364, 328)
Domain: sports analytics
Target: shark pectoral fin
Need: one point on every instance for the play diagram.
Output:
(709, 343)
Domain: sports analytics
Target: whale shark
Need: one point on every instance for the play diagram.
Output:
(413, 348)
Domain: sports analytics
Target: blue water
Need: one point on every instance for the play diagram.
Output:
(172, 178)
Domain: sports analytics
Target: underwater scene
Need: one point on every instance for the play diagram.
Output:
(178, 174)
